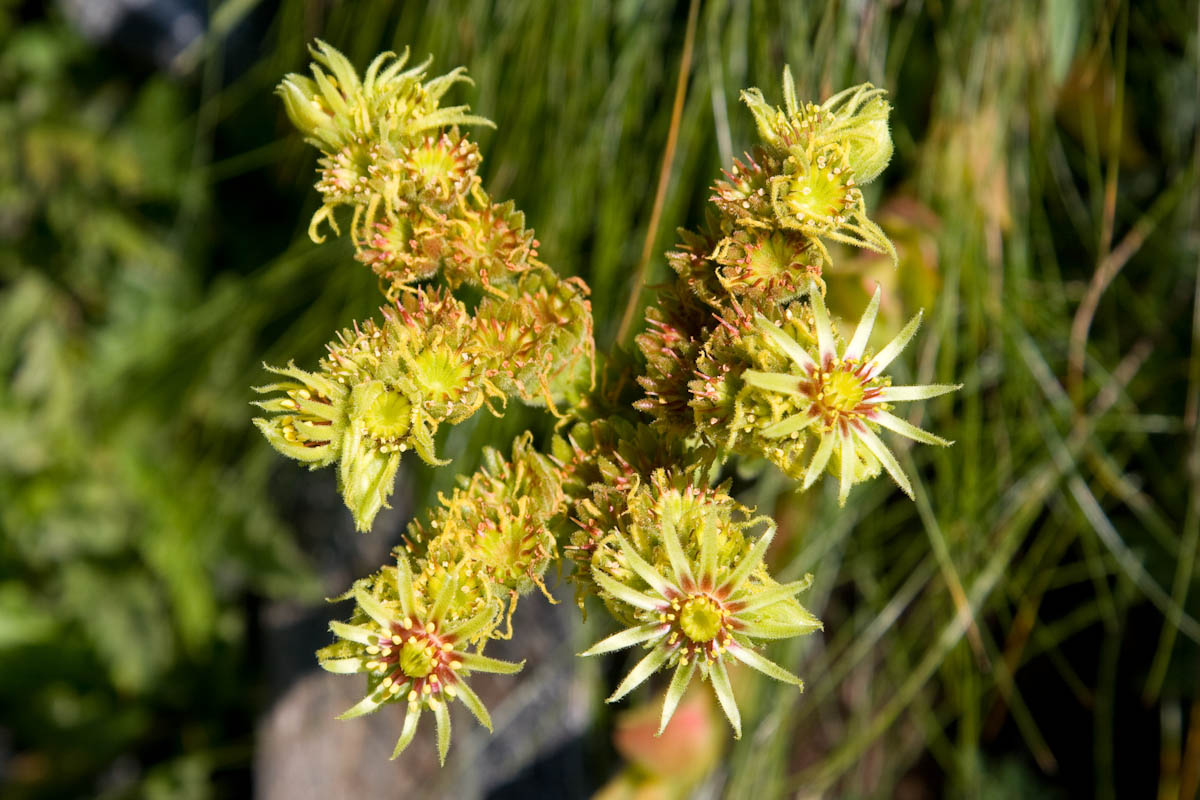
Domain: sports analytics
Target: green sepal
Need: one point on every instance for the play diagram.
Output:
(366, 478)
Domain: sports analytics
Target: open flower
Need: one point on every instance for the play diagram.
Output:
(846, 397)
(413, 650)
(696, 612)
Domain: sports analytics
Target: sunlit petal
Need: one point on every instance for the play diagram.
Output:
(679, 684)
(626, 638)
(893, 348)
(826, 345)
(644, 669)
(858, 343)
(787, 344)
(902, 394)
(820, 459)
(906, 428)
(881, 451)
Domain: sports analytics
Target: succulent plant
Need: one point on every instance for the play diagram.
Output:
(740, 361)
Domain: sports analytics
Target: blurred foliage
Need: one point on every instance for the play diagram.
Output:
(1030, 622)
(135, 517)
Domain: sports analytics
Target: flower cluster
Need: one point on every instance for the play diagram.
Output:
(741, 353)
(499, 521)
(401, 163)
(399, 160)
(740, 359)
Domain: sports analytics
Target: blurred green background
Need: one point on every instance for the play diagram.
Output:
(1028, 627)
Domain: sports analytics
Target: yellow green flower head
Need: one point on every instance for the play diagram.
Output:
(691, 585)
(396, 384)
(855, 121)
(540, 346)
(778, 265)
(670, 344)
(311, 415)
(475, 247)
(499, 523)
(813, 159)
(380, 135)
(842, 398)
(413, 649)
(335, 108)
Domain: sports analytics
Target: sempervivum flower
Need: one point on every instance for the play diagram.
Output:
(360, 124)
(441, 168)
(413, 650)
(697, 597)
(671, 342)
(855, 118)
(845, 397)
(536, 337)
(381, 391)
(822, 153)
(337, 108)
(498, 522)
(776, 266)
(310, 415)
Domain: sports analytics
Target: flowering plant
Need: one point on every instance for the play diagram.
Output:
(741, 361)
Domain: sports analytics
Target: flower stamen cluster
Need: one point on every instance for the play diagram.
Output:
(400, 161)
